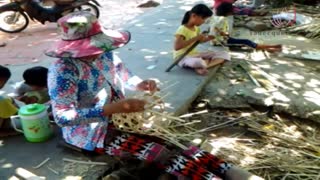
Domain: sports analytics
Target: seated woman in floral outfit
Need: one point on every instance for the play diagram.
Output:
(86, 86)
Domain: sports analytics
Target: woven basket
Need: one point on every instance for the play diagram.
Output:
(142, 122)
(153, 121)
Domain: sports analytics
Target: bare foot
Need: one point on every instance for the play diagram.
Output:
(279, 46)
(273, 50)
(270, 48)
(201, 71)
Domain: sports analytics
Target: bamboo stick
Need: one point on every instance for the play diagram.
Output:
(54, 171)
(85, 162)
(42, 163)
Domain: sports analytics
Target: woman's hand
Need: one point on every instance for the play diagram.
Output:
(148, 85)
(130, 105)
(124, 106)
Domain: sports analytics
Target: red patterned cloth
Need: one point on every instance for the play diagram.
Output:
(192, 163)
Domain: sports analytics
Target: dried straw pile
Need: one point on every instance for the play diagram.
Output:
(290, 148)
(276, 149)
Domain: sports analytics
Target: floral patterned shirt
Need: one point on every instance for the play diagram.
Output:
(78, 92)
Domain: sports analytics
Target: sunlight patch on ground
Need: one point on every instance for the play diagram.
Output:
(222, 91)
(295, 92)
(284, 105)
(161, 23)
(72, 178)
(312, 97)
(248, 160)
(204, 104)
(186, 8)
(164, 52)
(148, 51)
(289, 51)
(281, 62)
(314, 113)
(27, 174)
(7, 165)
(292, 132)
(238, 55)
(265, 66)
(313, 83)
(139, 25)
(299, 64)
(168, 105)
(296, 85)
(300, 38)
(258, 56)
(280, 96)
(317, 90)
(149, 58)
(217, 144)
(293, 76)
(197, 141)
(275, 75)
(13, 178)
(260, 90)
(245, 114)
(268, 101)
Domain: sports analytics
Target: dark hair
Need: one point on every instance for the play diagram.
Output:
(200, 10)
(36, 76)
(224, 9)
(4, 72)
